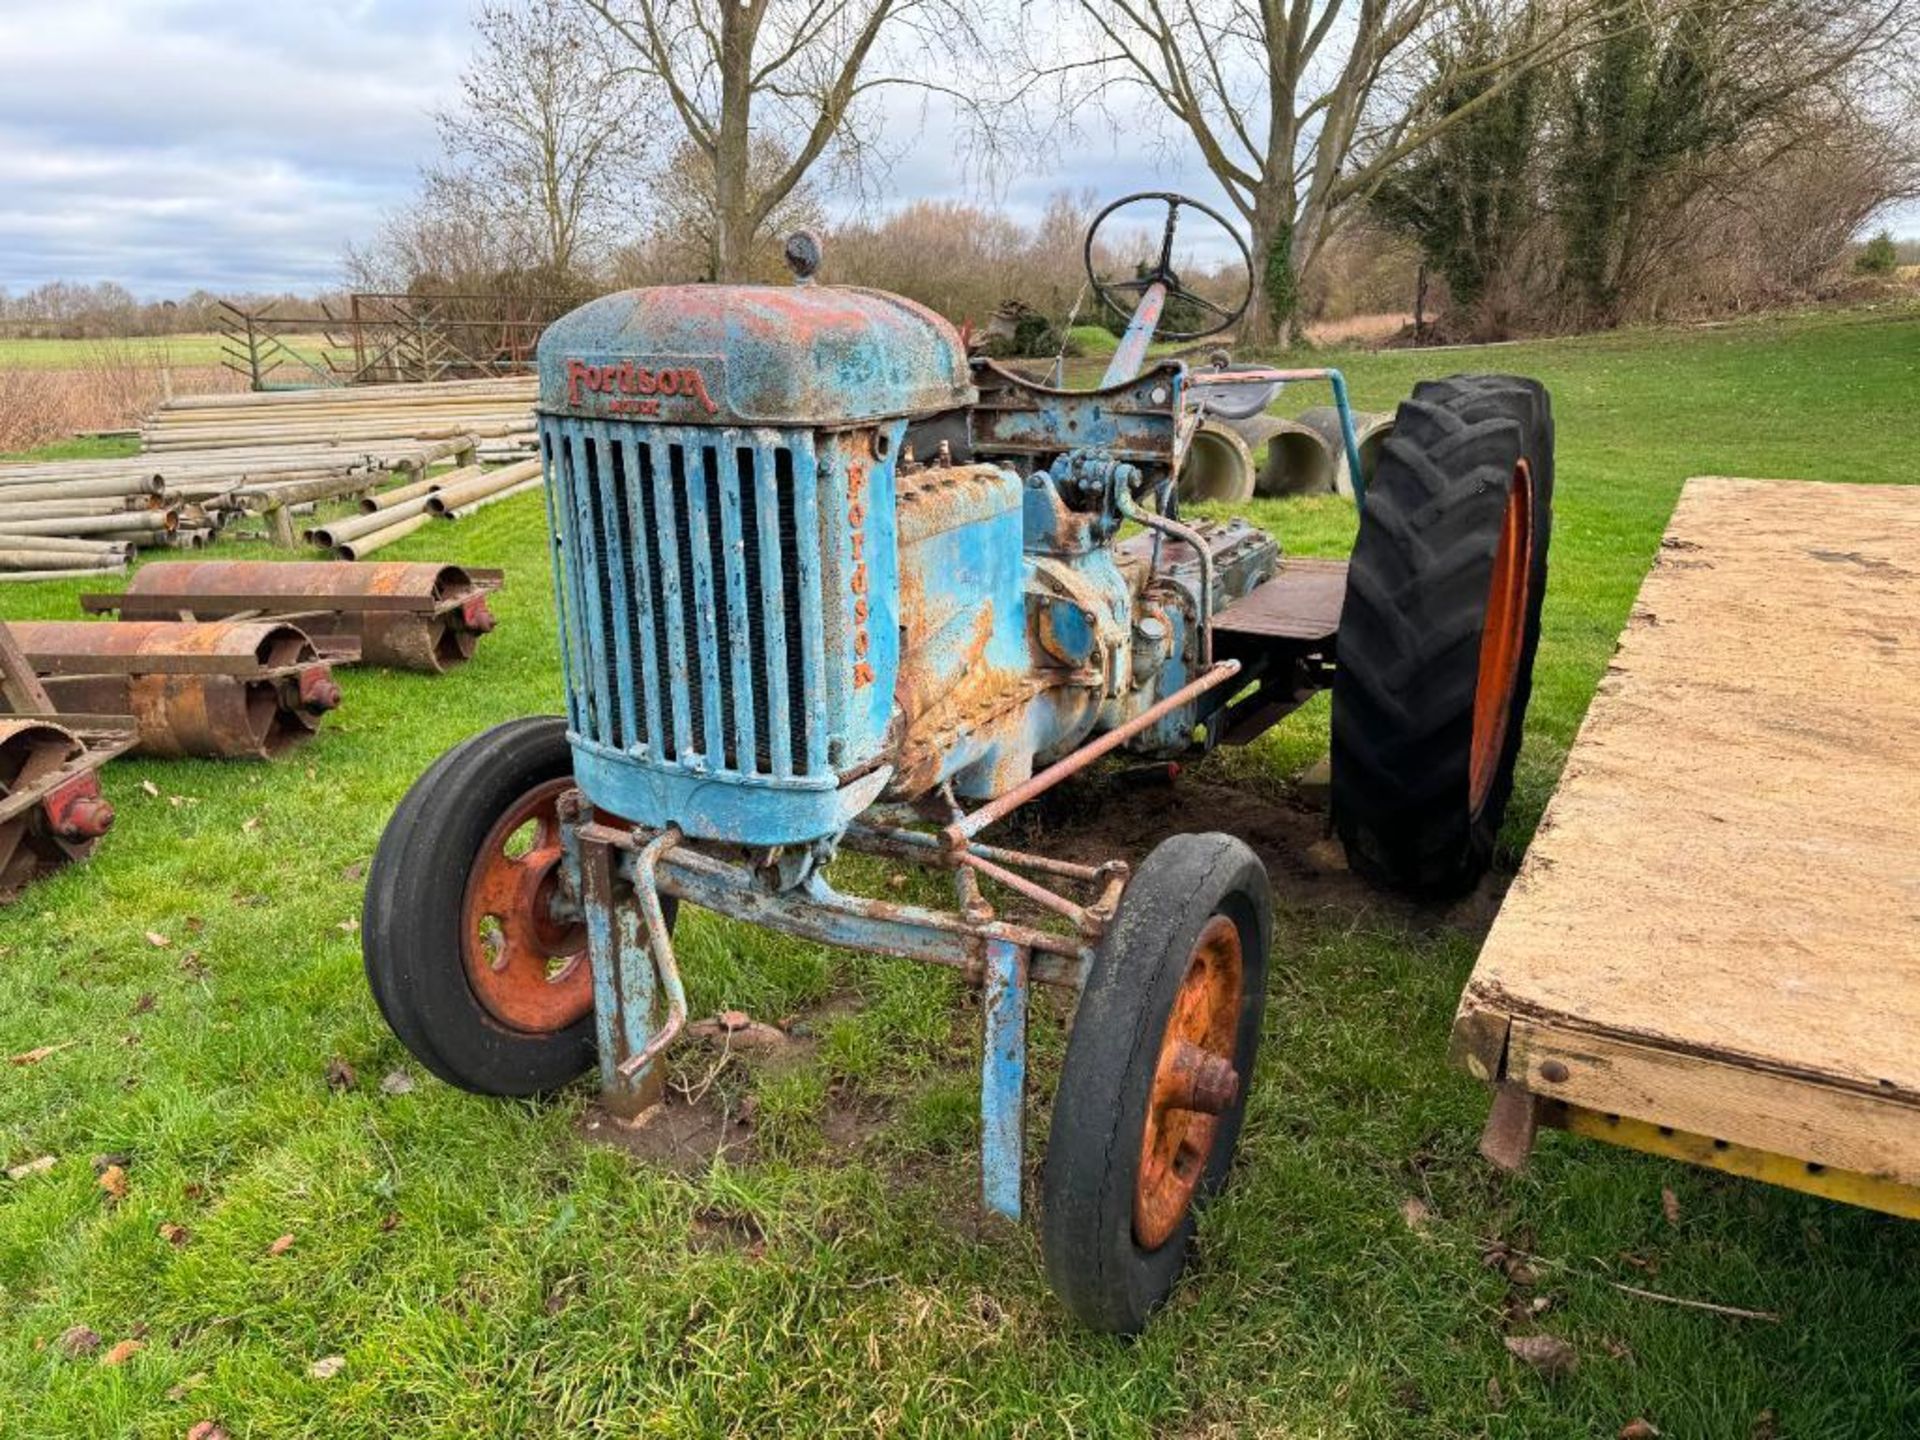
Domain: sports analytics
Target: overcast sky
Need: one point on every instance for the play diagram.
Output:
(241, 144)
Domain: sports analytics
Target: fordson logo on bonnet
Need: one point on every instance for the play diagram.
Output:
(640, 391)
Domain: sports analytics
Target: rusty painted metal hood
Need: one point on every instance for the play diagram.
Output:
(813, 355)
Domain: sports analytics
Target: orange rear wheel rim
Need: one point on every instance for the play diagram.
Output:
(1502, 638)
(1194, 1083)
(527, 970)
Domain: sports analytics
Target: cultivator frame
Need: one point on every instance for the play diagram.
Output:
(422, 617)
(51, 810)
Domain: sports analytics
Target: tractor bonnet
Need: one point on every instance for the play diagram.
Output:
(816, 356)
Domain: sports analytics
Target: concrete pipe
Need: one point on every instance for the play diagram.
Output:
(1298, 461)
(1370, 431)
(1218, 466)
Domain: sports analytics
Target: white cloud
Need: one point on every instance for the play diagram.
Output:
(174, 143)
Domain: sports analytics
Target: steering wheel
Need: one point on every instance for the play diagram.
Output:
(1161, 272)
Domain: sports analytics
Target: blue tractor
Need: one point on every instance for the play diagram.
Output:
(825, 585)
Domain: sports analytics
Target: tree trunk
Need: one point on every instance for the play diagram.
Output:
(1273, 313)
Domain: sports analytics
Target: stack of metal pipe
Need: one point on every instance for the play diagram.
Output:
(395, 514)
(497, 412)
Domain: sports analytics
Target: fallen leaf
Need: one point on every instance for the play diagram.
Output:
(113, 1180)
(157, 940)
(191, 1383)
(281, 1246)
(41, 1052)
(341, 1075)
(348, 926)
(174, 1234)
(1416, 1212)
(195, 924)
(30, 1167)
(1496, 1397)
(353, 871)
(194, 965)
(327, 1368)
(1521, 1273)
(396, 1082)
(145, 1003)
(1540, 1304)
(123, 1352)
(250, 824)
(390, 1221)
(1549, 1355)
(1670, 1206)
(151, 788)
(208, 1430)
(80, 1340)
(1637, 1428)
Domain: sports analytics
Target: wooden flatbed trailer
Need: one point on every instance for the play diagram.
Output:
(1712, 951)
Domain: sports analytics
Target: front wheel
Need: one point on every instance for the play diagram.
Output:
(1155, 1081)
(1439, 630)
(467, 960)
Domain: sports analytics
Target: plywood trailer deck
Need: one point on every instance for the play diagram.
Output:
(1712, 950)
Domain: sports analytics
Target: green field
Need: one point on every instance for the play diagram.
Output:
(486, 1268)
(75, 354)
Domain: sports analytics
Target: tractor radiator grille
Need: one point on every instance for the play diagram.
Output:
(688, 577)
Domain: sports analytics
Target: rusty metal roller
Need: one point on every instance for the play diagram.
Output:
(405, 616)
(51, 811)
(219, 689)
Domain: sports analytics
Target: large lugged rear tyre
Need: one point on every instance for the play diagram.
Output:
(463, 955)
(1155, 1081)
(1439, 631)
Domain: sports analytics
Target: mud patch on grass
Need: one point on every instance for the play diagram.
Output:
(678, 1135)
(1122, 812)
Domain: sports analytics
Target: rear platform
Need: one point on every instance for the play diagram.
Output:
(1713, 948)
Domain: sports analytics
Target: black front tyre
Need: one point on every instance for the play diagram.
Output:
(1439, 631)
(465, 958)
(1154, 1087)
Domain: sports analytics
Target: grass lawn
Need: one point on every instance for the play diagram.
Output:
(485, 1268)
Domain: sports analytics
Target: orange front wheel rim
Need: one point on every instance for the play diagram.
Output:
(1502, 638)
(1194, 1084)
(529, 971)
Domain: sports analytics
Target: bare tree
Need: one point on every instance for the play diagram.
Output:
(676, 240)
(538, 132)
(801, 73)
(1297, 107)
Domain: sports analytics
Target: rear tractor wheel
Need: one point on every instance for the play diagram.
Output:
(467, 960)
(1155, 1082)
(1439, 630)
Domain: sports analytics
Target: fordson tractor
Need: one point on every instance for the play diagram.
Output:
(826, 586)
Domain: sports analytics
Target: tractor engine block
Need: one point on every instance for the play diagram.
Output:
(773, 615)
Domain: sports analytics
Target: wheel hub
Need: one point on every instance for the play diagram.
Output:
(1502, 637)
(528, 970)
(1194, 1083)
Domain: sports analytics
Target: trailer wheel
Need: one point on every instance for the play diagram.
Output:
(465, 960)
(1155, 1081)
(1439, 630)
